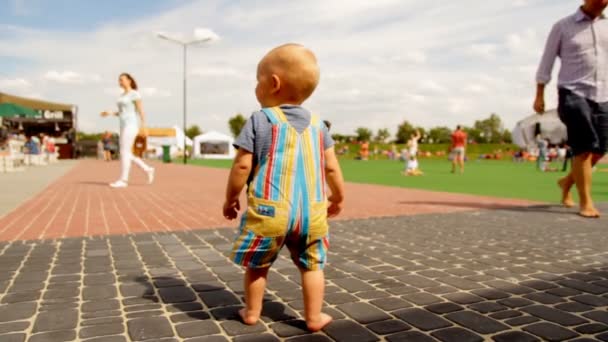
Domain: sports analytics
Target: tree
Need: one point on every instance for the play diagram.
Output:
(404, 132)
(193, 131)
(506, 137)
(236, 124)
(491, 129)
(382, 135)
(440, 135)
(364, 134)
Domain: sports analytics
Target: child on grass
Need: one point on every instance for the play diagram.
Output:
(285, 157)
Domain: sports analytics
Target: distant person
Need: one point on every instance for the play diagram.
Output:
(459, 145)
(579, 40)
(285, 156)
(412, 144)
(107, 146)
(412, 168)
(543, 152)
(129, 109)
(364, 151)
(31, 146)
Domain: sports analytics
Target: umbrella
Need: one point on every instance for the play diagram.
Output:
(9, 110)
(549, 124)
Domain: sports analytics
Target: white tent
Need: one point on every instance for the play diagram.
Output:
(214, 145)
(551, 127)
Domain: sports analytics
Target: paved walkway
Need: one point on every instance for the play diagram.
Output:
(17, 187)
(489, 275)
(183, 198)
(455, 271)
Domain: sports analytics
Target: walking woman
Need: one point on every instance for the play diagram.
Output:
(129, 109)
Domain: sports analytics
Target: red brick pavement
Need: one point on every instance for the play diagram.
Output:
(185, 197)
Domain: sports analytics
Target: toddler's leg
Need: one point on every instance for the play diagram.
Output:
(255, 285)
(313, 288)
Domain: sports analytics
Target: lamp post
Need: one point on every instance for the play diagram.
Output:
(203, 36)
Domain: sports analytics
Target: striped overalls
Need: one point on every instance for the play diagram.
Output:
(287, 202)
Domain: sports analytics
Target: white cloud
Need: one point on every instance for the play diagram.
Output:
(14, 84)
(71, 77)
(484, 50)
(224, 71)
(475, 88)
(155, 92)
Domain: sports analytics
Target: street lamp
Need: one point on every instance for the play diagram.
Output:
(201, 36)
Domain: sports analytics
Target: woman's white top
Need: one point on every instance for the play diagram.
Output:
(127, 111)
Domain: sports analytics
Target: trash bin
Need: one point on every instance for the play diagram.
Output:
(166, 154)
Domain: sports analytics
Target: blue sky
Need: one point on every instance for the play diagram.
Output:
(382, 61)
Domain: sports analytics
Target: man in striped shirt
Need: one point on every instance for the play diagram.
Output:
(581, 42)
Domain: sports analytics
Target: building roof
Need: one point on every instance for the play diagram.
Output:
(36, 104)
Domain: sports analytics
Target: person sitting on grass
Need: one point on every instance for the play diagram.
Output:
(285, 156)
(411, 168)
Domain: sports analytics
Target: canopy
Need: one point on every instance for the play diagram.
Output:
(214, 145)
(549, 124)
(36, 104)
(9, 110)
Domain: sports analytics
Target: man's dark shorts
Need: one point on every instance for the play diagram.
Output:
(586, 120)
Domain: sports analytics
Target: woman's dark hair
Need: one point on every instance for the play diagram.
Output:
(327, 124)
(131, 80)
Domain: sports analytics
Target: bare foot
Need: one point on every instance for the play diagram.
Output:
(319, 324)
(567, 200)
(589, 213)
(248, 318)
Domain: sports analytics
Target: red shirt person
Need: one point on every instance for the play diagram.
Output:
(459, 144)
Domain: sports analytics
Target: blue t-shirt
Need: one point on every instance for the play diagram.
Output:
(126, 108)
(256, 135)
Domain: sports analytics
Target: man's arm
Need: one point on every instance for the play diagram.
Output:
(545, 69)
(241, 168)
(335, 180)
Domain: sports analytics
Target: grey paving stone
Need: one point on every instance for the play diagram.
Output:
(363, 313)
(515, 302)
(591, 328)
(456, 334)
(343, 330)
(509, 287)
(388, 327)
(422, 298)
(276, 312)
(573, 307)
(410, 336)
(99, 292)
(603, 337)
(15, 337)
(20, 297)
(443, 308)
(309, 338)
(194, 329)
(218, 298)
(289, 328)
(54, 336)
(353, 285)
(539, 284)
(390, 304)
(550, 332)
(114, 338)
(111, 304)
(505, 314)
(422, 319)
(460, 283)
(215, 338)
(56, 320)
(149, 328)
(340, 298)
(136, 290)
(13, 327)
(563, 292)
(515, 336)
(463, 298)
(177, 294)
(553, 315)
(103, 320)
(544, 298)
(476, 322)
(236, 328)
(256, 338)
(14, 312)
(599, 316)
(101, 330)
(487, 307)
(583, 286)
(184, 307)
(491, 294)
(591, 300)
(418, 281)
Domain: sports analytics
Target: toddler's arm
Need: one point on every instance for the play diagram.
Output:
(241, 168)
(333, 174)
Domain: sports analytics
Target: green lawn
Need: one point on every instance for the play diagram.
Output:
(490, 178)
